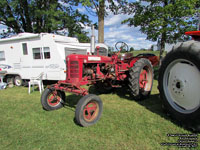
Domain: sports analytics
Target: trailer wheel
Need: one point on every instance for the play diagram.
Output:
(179, 81)
(141, 79)
(88, 110)
(52, 100)
(18, 81)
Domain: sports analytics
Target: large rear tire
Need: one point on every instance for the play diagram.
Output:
(179, 81)
(51, 100)
(141, 79)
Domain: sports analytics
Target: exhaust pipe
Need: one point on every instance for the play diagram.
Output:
(92, 42)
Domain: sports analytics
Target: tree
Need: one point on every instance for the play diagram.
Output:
(101, 10)
(163, 20)
(38, 16)
(131, 49)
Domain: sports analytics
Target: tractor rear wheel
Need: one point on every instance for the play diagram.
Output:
(179, 81)
(140, 79)
(88, 110)
(52, 100)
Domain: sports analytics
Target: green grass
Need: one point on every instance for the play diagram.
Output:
(124, 125)
(140, 52)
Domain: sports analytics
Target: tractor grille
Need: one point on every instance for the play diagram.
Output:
(74, 69)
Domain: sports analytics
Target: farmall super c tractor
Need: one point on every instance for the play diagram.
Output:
(101, 71)
(179, 80)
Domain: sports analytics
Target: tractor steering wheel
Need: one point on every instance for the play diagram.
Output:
(121, 46)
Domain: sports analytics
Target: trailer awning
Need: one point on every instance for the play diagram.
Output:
(20, 37)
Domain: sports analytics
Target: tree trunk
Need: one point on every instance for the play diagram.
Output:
(164, 34)
(101, 14)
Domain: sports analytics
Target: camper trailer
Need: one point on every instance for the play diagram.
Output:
(27, 55)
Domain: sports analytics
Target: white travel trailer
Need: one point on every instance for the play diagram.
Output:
(28, 55)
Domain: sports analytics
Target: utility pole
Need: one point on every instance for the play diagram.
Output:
(198, 26)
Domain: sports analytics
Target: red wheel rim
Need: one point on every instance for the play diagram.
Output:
(146, 78)
(90, 111)
(53, 100)
(143, 79)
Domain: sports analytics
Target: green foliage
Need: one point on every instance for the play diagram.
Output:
(164, 20)
(38, 16)
(131, 49)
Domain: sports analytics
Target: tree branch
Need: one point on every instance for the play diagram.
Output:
(96, 7)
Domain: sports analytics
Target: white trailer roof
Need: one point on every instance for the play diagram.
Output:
(56, 38)
(20, 37)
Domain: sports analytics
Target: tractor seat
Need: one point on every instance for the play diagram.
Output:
(126, 56)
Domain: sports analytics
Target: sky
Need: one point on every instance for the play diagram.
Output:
(114, 31)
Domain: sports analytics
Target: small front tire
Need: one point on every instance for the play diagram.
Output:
(51, 100)
(88, 110)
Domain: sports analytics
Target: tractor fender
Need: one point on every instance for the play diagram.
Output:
(132, 62)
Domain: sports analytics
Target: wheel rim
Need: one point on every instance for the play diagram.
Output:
(91, 111)
(145, 80)
(181, 83)
(53, 100)
(18, 82)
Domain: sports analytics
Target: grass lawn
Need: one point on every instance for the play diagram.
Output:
(125, 123)
(152, 52)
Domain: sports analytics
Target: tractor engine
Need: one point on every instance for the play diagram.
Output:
(87, 68)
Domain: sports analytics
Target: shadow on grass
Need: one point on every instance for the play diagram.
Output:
(156, 72)
(71, 101)
(154, 104)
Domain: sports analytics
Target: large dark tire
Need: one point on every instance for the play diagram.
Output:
(140, 79)
(179, 81)
(103, 87)
(51, 102)
(18, 81)
(88, 110)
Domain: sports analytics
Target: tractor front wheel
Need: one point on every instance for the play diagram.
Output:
(140, 79)
(52, 100)
(88, 110)
(179, 81)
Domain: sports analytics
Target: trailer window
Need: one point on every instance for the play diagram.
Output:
(37, 54)
(2, 56)
(46, 51)
(25, 49)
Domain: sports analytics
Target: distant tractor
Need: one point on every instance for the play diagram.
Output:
(179, 79)
(103, 72)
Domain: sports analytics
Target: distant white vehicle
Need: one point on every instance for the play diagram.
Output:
(27, 55)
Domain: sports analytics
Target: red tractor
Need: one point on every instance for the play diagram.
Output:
(101, 71)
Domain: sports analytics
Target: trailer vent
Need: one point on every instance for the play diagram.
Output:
(74, 69)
